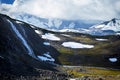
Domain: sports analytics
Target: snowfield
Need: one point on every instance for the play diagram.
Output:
(46, 57)
(101, 39)
(76, 45)
(50, 36)
(113, 59)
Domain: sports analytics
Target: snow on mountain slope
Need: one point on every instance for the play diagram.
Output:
(46, 43)
(38, 32)
(46, 57)
(51, 23)
(79, 26)
(69, 30)
(50, 36)
(113, 59)
(106, 28)
(31, 19)
(113, 24)
(98, 39)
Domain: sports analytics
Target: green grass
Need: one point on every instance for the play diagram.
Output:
(64, 55)
(67, 54)
(65, 50)
(96, 56)
(83, 39)
(91, 71)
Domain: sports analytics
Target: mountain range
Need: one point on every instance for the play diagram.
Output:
(111, 27)
(106, 28)
(28, 50)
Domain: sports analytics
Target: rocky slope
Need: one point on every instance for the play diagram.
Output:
(19, 50)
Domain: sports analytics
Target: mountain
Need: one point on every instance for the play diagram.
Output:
(106, 28)
(51, 23)
(23, 52)
(80, 26)
(113, 24)
(30, 51)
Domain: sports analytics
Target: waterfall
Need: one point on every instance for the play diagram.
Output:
(30, 51)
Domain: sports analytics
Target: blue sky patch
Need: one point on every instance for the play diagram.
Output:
(7, 1)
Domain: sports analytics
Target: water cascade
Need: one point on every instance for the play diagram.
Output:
(30, 51)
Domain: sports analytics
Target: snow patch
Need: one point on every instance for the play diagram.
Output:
(76, 45)
(38, 32)
(69, 30)
(46, 57)
(66, 35)
(101, 39)
(100, 26)
(113, 59)
(46, 43)
(32, 26)
(18, 22)
(73, 79)
(50, 36)
(117, 33)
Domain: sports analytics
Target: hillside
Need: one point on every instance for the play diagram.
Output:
(28, 50)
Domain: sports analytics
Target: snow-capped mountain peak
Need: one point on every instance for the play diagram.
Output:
(113, 25)
(79, 26)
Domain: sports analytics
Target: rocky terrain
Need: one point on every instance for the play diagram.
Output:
(31, 53)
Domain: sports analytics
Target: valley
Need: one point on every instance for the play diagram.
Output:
(28, 52)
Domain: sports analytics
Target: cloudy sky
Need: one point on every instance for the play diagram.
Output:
(66, 9)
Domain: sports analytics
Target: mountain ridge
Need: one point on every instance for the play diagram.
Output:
(104, 28)
(113, 24)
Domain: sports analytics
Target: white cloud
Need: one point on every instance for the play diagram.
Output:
(69, 9)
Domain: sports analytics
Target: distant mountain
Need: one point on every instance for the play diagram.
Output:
(51, 23)
(79, 26)
(113, 24)
(106, 28)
